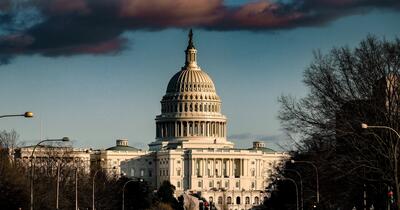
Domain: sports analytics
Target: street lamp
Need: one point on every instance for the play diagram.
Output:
(123, 191)
(301, 186)
(76, 188)
(316, 172)
(64, 139)
(94, 176)
(366, 126)
(295, 185)
(26, 115)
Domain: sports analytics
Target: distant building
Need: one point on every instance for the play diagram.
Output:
(45, 154)
(111, 158)
(191, 149)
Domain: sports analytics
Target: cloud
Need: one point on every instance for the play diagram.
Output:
(71, 27)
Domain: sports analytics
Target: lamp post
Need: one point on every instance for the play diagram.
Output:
(395, 154)
(301, 187)
(316, 173)
(123, 190)
(64, 139)
(297, 191)
(76, 188)
(26, 115)
(94, 176)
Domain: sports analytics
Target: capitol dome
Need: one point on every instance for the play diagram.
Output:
(190, 80)
(190, 109)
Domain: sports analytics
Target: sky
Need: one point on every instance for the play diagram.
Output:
(95, 71)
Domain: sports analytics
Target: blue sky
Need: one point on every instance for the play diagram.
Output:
(95, 99)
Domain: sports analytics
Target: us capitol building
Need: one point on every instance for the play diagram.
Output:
(191, 149)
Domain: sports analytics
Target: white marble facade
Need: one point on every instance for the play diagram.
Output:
(191, 149)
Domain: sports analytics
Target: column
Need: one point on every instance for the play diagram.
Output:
(214, 167)
(242, 167)
(175, 129)
(207, 129)
(187, 128)
(246, 166)
(229, 167)
(207, 167)
(201, 167)
(217, 130)
(220, 129)
(182, 128)
(212, 129)
(193, 167)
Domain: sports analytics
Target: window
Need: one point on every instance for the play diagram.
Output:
(199, 184)
(238, 200)
(226, 184)
(142, 172)
(229, 200)
(211, 184)
(219, 200)
(256, 200)
(178, 184)
(253, 185)
(253, 173)
(178, 172)
(150, 173)
(210, 199)
(247, 200)
(132, 172)
(237, 184)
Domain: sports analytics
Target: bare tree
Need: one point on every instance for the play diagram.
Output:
(12, 185)
(348, 87)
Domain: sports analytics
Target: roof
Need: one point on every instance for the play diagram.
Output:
(123, 148)
(264, 149)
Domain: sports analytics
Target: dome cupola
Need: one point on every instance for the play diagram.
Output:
(190, 109)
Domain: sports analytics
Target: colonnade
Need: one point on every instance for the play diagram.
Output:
(167, 107)
(220, 167)
(190, 128)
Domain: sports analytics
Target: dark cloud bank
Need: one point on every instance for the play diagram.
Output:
(71, 27)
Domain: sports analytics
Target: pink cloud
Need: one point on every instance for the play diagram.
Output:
(61, 7)
(109, 46)
(262, 14)
(5, 5)
(172, 12)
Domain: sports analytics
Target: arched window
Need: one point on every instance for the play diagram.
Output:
(229, 200)
(238, 200)
(210, 199)
(256, 200)
(132, 172)
(219, 200)
(247, 200)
